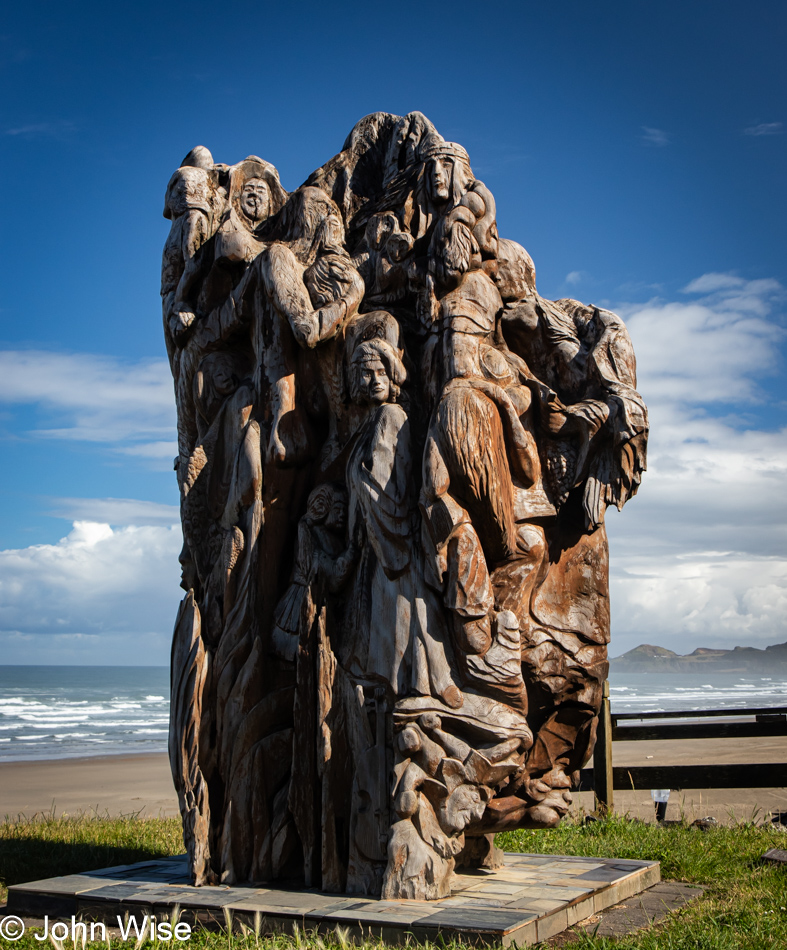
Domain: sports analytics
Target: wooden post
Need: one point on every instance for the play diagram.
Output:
(602, 756)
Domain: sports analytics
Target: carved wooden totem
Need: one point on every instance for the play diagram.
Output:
(394, 463)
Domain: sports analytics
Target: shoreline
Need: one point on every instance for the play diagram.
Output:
(81, 758)
(140, 783)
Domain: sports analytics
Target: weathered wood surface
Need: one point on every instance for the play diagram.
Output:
(713, 723)
(602, 756)
(394, 460)
(677, 777)
(718, 730)
(764, 714)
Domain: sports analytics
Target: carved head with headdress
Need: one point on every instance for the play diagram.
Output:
(377, 372)
(255, 192)
(448, 172)
(192, 186)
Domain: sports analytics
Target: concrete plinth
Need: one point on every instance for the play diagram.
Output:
(531, 898)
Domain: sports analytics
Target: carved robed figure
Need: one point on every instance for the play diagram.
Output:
(394, 461)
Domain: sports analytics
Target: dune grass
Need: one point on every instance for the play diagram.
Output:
(743, 908)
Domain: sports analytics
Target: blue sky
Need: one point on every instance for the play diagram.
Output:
(637, 150)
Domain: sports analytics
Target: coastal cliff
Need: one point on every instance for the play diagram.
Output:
(650, 659)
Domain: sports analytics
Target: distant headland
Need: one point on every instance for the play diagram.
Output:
(650, 659)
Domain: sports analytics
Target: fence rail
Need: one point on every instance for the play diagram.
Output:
(603, 778)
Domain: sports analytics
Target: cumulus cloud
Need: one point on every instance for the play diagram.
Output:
(714, 600)
(97, 588)
(574, 277)
(708, 351)
(698, 558)
(765, 128)
(656, 137)
(111, 585)
(84, 397)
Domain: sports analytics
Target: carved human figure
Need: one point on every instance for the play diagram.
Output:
(193, 203)
(303, 618)
(307, 290)
(195, 330)
(494, 496)
(255, 196)
(393, 630)
(480, 448)
(384, 261)
(322, 564)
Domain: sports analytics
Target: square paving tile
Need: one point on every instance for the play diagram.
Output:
(530, 898)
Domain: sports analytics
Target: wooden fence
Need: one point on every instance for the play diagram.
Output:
(603, 778)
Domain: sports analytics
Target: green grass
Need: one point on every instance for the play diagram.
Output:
(47, 846)
(743, 907)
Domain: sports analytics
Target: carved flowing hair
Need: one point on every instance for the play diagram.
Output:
(328, 279)
(558, 325)
(304, 223)
(453, 247)
(377, 349)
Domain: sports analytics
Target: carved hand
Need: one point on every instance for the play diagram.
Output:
(180, 321)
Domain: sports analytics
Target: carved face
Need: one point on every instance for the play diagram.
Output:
(255, 199)
(464, 805)
(223, 377)
(373, 382)
(333, 233)
(337, 516)
(440, 179)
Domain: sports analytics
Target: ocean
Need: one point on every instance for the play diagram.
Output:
(57, 712)
(51, 712)
(692, 692)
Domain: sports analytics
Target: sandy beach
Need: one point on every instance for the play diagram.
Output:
(122, 784)
(110, 784)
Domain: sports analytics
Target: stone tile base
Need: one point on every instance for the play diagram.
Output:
(632, 914)
(533, 897)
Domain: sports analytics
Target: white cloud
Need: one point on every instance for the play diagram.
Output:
(765, 128)
(655, 136)
(115, 511)
(709, 283)
(725, 602)
(94, 398)
(97, 588)
(98, 592)
(698, 558)
(57, 130)
(157, 451)
(574, 277)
